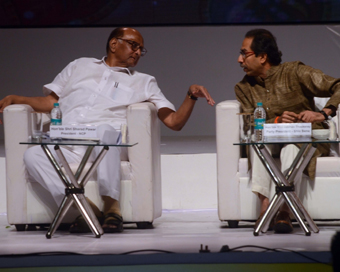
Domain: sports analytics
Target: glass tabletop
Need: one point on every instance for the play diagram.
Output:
(290, 140)
(73, 142)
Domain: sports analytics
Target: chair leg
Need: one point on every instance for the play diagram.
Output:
(20, 227)
(233, 224)
(144, 225)
(31, 227)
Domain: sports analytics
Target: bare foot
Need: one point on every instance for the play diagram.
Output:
(264, 203)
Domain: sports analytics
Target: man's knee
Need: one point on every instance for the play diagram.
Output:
(288, 154)
(32, 156)
(289, 149)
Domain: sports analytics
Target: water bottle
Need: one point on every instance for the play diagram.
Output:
(56, 115)
(259, 119)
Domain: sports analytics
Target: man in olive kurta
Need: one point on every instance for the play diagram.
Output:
(287, 92)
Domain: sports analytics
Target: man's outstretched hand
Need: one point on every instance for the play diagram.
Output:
(200, 91)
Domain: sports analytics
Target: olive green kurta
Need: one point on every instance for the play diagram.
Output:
(290, 86)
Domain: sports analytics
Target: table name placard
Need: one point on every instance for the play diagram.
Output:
(76, 132)
(287, 130)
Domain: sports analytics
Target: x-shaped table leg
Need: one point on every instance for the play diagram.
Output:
(74, 192)
(285, 188)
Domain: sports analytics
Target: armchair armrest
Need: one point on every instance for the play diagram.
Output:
(228, 155)
(335, 148)
(17, 129)
(143, 127)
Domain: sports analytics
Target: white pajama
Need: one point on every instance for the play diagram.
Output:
(260, 178)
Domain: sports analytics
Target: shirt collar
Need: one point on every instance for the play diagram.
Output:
(272, 70)
(115, 68)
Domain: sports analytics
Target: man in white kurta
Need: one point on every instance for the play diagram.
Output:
(97, 92)
(92, 93)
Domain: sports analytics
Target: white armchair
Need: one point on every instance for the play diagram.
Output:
(30, 204)
(236, 202)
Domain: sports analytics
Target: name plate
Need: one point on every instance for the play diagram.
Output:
(287, 130)
(74, 132)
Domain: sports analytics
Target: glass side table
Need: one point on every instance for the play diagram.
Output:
(74, 188)
(285, 191)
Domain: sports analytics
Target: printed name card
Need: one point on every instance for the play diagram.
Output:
(287, 130)
(76, 132)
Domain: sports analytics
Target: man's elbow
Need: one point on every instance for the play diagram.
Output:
(176, 127)
(173, 123)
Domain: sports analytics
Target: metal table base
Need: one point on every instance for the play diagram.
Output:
(74, 189)
(285, 188)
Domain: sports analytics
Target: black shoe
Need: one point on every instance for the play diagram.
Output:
(80, 226)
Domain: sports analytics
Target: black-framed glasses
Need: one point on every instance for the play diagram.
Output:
(245, 54)
(135, 46)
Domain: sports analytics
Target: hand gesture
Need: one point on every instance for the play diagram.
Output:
(200, 91)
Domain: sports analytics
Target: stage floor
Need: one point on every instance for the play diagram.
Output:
(177, 231)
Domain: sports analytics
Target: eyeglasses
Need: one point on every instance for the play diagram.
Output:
(246, 54)
(135, 46)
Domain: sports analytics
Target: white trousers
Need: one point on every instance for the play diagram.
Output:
(261, 180)
(40, 169)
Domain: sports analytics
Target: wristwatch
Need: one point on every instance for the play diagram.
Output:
(191, 96)
(324, 114)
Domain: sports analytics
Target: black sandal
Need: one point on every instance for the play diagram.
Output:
(80, 226)
(112, 219)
